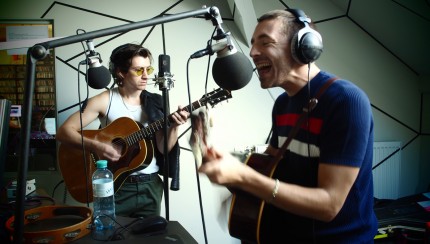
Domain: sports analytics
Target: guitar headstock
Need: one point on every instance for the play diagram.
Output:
(215, 97)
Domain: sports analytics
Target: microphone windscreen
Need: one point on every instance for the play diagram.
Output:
(232, 72)
(98, 77)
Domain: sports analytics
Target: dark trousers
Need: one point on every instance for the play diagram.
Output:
(139, 199)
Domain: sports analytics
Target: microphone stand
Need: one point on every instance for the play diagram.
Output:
(39, 52)
(165, 84)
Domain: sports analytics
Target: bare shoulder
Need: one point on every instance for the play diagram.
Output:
(99, 102)
(101, 97)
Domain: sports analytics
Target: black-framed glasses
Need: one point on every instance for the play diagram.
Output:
(139, 71)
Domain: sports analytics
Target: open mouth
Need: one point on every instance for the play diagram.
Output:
(263, 68)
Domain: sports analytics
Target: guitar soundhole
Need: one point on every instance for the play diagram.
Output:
(120, 144)
(128, 153)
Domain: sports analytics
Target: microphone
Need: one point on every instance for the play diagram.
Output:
(210, 50)
(163, 65)
(164, 75)
(231, 69)
(98, 76)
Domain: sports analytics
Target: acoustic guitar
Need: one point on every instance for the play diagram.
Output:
(130, 137)
(245, 210)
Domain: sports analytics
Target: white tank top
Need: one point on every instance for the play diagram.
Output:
(118, 108)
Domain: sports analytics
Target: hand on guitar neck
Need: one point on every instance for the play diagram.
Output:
(220, 167)
(200, 138)
(225, 169)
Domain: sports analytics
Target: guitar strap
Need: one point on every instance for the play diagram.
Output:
(303, 117)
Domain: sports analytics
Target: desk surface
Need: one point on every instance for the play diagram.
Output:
(402, 220)
(403, 211)
(175, 233)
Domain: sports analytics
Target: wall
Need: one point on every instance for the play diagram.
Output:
(425, 125)
(244, 120)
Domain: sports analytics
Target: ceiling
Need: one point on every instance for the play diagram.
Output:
(402, 27)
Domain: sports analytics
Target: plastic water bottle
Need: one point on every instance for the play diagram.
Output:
(103, 200)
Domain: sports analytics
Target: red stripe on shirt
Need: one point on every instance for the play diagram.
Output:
(291, 119)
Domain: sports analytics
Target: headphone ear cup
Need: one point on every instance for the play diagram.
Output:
(295, 50)
(310, 47)
(306, 44)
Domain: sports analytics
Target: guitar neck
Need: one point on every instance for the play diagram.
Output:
(211, 98)
(148, 131)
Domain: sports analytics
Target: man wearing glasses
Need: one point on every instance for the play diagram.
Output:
(130, 65)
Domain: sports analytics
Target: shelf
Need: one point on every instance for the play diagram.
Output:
(12, 83)
(13, 78)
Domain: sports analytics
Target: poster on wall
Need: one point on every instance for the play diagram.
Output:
(20, 33)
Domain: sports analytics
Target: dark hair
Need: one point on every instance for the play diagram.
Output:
(120, 59)
(290, 25)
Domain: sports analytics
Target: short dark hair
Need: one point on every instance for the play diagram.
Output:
(120, 59)
(290, 24)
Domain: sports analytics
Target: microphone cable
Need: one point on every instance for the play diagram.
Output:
(191, 121)
(314, 241)
(82, 106)
(209, 62)
(195, 161)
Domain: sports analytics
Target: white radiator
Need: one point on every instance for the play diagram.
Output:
(386, 176)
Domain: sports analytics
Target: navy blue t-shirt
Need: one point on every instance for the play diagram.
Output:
(340, 131)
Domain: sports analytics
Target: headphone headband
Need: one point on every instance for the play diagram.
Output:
(300, 15)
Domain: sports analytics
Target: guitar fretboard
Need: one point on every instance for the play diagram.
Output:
(150, 130)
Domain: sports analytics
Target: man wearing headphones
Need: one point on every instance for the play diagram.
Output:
(321, 190)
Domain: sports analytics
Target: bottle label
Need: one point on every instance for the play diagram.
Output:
(102, 188)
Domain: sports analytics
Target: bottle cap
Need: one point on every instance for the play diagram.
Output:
(101, 164)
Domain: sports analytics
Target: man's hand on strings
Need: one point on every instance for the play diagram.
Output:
(110, 152)
(180, 116)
